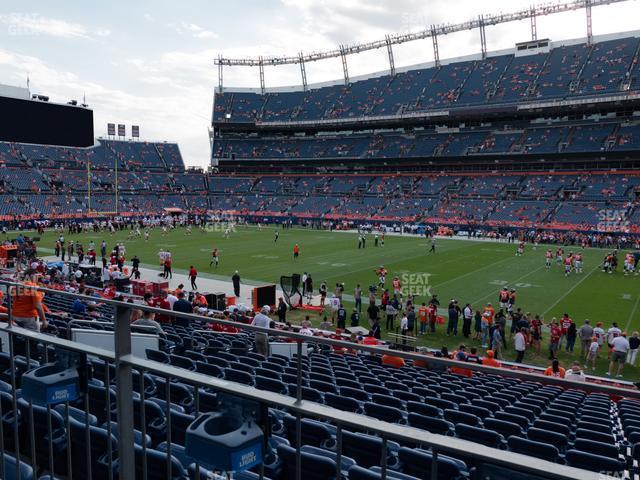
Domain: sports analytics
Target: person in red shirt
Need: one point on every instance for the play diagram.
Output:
(555, 333)
(565, 323)
(296, 252)
(432, 317)
(162, 302)
(193, 275)
(167, 268)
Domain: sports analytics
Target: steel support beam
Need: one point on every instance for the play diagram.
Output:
(436, 50)
(534, 26)
(303, 71)
(220, 67)
(345, 67)
(483, 37)
(392, 65)
(587, 8)
(261, 66)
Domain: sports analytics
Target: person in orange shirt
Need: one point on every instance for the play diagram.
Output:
(489, 312)
(26, 305)
(555, 370)
(490, 361)
(296, 252)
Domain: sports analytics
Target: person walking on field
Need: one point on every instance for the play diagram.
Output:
(193, 275)
(235, 279)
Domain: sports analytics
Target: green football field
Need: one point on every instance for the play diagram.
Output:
(470, 271)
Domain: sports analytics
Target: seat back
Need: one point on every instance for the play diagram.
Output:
(595, 463)
(480, 435)
(313, 467)
(541, 450)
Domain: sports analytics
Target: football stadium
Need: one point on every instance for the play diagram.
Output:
(426, 271)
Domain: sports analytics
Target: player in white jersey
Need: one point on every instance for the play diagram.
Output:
(188, 230)
(146, 235)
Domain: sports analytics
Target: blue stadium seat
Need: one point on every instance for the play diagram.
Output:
(359, 473)
(238, 376)
(271, 385)
(384, 413)
(387, 400)
(504, 428)
(358, 394)
(313, 467)
(418, 463)
(595, 463)
(341, 402)
(595, 436)
(597, 448)
(366, 450)
(431, 424)
(313, 432)
(557, 439)
(532, 448)
(458, 417)
(98, 446)
(424, 409)
(479, 435)
(16, 469)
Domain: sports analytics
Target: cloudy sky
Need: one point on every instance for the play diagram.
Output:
(151, 62)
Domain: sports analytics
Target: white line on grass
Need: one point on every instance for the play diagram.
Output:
(597, 267)
(512, 283)
(633, 311)
(472, 272)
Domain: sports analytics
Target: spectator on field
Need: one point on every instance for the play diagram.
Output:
(619, 349)
(592, 354)
(634, 344)
(555, 333)
(555, 370)
(520, 345)
(585, 334)
(571, 337)
(496, 341)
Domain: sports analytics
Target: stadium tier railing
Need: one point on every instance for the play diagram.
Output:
(125, 364)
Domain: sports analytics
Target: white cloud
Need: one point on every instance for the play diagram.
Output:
(196, 31)
(33, 24)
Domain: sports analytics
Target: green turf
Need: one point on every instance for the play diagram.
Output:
(470, 271)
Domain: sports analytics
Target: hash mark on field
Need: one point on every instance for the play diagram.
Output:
(597, 267)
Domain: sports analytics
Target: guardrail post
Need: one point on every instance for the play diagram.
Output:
(124, 394)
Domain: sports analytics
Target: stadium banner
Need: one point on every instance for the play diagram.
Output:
(121, 130)
(111, 129)
(135, 131)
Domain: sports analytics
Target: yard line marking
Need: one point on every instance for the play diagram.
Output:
(633, 311)
(597, 267)
(472, 272)
(512, 283)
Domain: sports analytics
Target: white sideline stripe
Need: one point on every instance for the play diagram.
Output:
(633, 311)
(597, 267)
